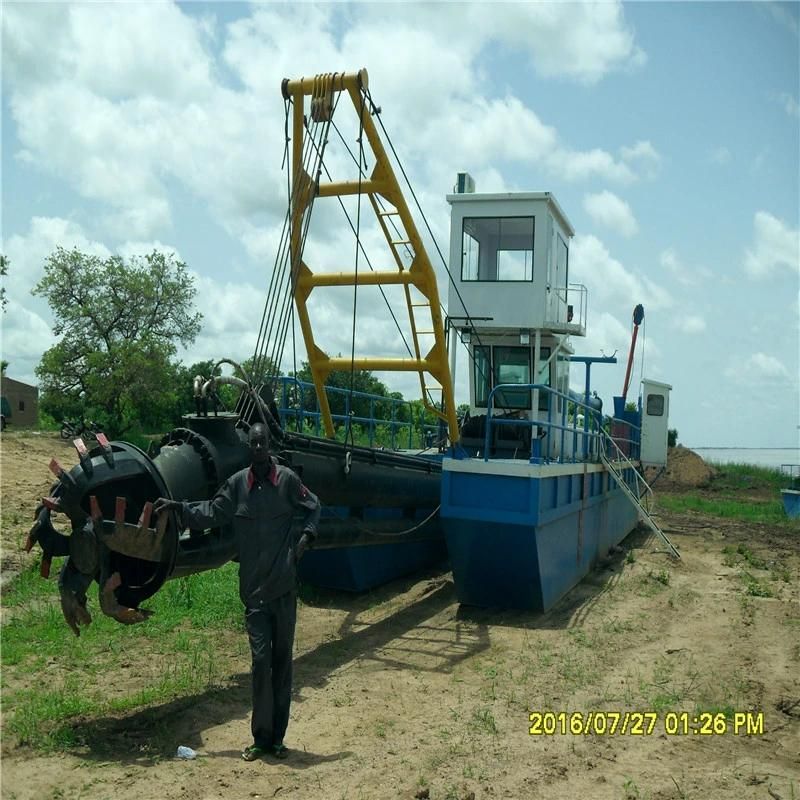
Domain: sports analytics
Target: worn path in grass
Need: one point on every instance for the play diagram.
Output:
(401, 689)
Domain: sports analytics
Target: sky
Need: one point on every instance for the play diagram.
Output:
(668, 132)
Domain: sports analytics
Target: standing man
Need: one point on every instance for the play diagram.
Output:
(260, 501)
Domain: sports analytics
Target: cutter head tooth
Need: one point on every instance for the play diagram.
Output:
(147, 511)
(52, 503)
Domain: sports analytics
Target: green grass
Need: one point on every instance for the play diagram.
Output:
(738, 477)
(734, 555)
(652, 583)
(754, 587)
(768, 512)
(483, 721)
(730, 483)
(181, 643)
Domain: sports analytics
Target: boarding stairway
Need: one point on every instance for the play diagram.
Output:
(615, 462)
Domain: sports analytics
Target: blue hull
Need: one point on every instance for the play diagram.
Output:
(369, 552)
(519, 541)
(356, 569)
(791, 502)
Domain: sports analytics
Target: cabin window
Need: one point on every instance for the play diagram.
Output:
(512, 365)
(655, 405)
(482, 375)
(21, 405)
(470, 256)
(501, 364)
(562, 264)
(497, 249)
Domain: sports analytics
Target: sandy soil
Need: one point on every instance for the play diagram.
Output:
(24, 480)
(401, 691)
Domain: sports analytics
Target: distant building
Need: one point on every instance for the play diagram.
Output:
(23, 402)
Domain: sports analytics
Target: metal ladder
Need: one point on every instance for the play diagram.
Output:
(384, 215)
(642, 487)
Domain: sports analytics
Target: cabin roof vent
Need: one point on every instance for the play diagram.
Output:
(465, 183)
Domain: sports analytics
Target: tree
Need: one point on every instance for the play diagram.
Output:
(3, 273)
(672, 437)
(362, 380)
(119, 323)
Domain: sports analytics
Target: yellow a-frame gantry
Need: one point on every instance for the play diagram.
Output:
(380, 186)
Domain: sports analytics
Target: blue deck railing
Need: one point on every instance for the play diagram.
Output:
(296, 396)
(578, 439)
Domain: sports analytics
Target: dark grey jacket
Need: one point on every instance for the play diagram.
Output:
(261, 516)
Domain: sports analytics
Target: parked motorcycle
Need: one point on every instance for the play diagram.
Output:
(72, 429)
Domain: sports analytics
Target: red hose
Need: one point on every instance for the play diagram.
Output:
(630, 364)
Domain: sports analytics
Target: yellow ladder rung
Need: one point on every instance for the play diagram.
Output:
(401, 241)
(419, 305)
(421, 332)
(388, 213)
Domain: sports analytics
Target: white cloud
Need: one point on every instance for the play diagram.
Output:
(27, 322)
(775, 247)
(231, 315)
(609, 210)
(478, 132)
(130, 99)
(689, 323)
(576, 166)
(120, 129)
(685, 275)
(122, 55)
(608, 281)
(576, 40)
(644, 157)
(129, 250)
(790, 104)
(759, 367)
(27, 254)
(26, 335)
(721, 156)
(606, 336)
(130, 104)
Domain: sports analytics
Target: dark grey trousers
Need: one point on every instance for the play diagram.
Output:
(271, 631)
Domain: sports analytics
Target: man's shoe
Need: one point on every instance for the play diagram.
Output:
(253, 752)
(280, 750)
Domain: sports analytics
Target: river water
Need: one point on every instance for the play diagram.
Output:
(758, 456)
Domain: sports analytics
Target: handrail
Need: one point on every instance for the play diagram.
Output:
(642, 489)
(633, 439)
(591, 418)
(300, 413)
(562, 295)
(619, 455)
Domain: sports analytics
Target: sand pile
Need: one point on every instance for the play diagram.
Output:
(684, 469)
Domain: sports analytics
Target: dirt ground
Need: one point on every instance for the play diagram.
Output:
(400, 691)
